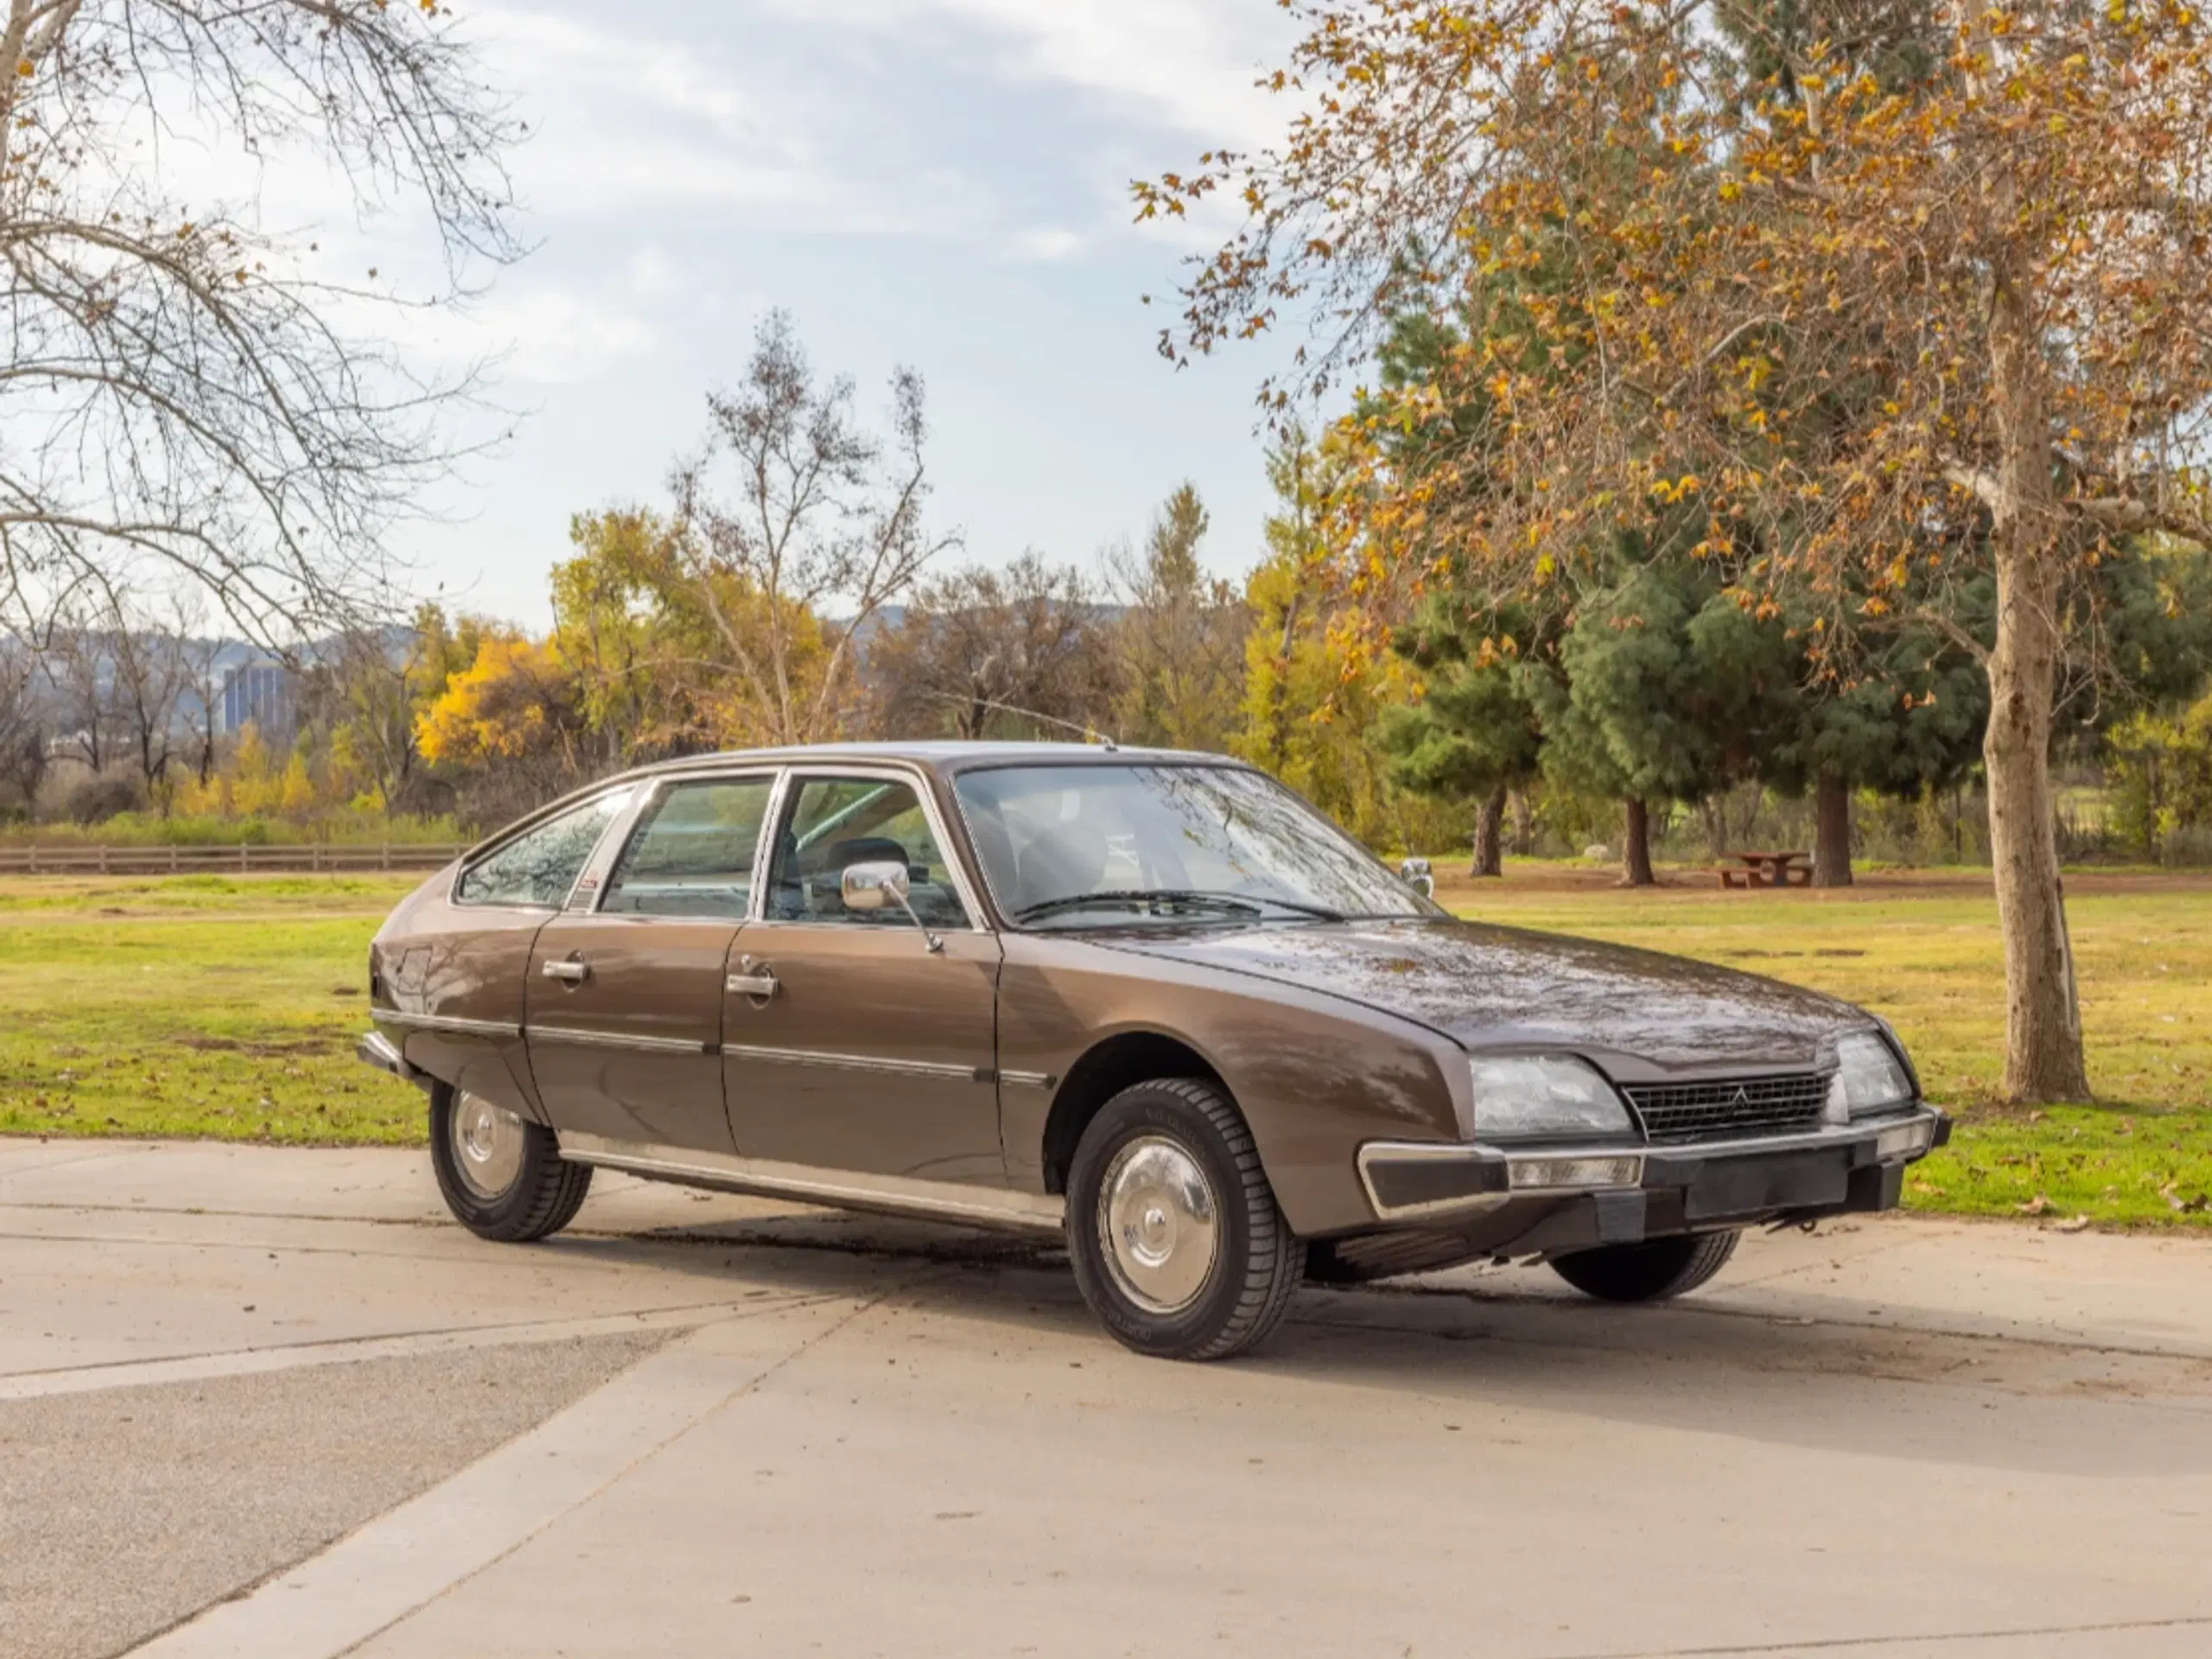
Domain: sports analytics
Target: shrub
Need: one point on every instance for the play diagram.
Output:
(95, 800)
(2162, 782)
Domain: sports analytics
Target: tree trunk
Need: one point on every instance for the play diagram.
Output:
(1488, 857)
(1635, 844)
(2043, 1019)
(1524, 825)
(1831, 831)
(1714, 808)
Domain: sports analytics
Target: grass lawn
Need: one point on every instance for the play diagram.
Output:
(194, 1005)
(228, 1007)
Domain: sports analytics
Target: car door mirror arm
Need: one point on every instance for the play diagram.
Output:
(869, 886)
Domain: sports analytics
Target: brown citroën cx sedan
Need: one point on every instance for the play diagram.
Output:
(1150, 1002)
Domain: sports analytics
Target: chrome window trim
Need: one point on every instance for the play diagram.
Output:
(620, 1039)
(947, 1069)
(800, 773)
(1001, 1208)
(448, 1022)
(650, 797)
(537, 820)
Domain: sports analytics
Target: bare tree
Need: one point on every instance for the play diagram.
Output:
(201, 707)
(369, 681)
(80, 683)
(978, 649)
(148, 675)
(180, 399)
(822, 515)
(24, 727)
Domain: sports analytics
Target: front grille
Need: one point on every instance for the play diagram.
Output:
(1725, 1107)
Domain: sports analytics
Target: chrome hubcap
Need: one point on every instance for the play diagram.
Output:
(488, 1143)
(1158, 1223)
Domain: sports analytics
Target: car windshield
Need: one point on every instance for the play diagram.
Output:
(1092, 846)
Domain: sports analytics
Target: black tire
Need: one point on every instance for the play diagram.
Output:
(1256, 1261)
(1649, 1272)
(542, 1198)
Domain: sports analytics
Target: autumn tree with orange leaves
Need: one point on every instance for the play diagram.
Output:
(1885, 301)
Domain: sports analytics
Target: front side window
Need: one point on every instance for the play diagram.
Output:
(838, 822)
(539, 866)
(1097, 845)
(693, 853)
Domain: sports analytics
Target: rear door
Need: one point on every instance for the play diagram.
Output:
(626, 999)
(455, 987)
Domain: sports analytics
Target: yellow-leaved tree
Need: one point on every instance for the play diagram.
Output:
(512, 721)
(1862, 300)
(1316, 682)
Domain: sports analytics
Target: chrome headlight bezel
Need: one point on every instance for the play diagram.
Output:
(1871, 1077)
(1546, 1097)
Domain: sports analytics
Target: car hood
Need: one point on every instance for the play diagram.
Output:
(1637, 1013)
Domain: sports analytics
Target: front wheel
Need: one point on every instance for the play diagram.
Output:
(502, 1176)
(1649, 1272)
(1177, 1242)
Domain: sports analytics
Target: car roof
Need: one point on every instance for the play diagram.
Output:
(942, 756)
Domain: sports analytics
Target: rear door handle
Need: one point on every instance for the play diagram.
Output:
(568, 973)
(760, 981)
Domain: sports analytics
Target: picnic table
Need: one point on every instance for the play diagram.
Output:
(1768, 869)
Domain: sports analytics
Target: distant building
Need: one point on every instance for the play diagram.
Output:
(262, 693)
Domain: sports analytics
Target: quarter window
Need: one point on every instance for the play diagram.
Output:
(539, 866)
(693, 854)
(836, 821)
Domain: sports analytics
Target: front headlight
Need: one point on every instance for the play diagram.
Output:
(1544, 1094)
(1868, 1079)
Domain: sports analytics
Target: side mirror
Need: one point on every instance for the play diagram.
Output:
(875, 886)
(1414, 873)
(871, 886)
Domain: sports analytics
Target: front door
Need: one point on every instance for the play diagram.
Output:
(848, 1043)
(626, 1000)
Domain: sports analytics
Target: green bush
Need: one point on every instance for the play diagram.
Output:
(2161, 783)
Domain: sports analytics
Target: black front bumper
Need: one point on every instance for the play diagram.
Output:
(1553, 1199)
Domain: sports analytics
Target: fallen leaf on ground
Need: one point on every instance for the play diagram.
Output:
(2076, 1225)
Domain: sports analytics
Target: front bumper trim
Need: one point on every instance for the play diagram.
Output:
(1410, 1181)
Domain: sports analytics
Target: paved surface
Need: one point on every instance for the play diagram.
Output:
(708, 1426)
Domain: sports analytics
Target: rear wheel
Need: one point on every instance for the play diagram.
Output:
(1649, 1272)
(1177, 1242)
(501, 1175)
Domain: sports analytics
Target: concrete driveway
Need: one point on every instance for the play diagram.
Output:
(271, 1402)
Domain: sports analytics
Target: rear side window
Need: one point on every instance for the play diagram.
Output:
(539, 866)
(693, 854)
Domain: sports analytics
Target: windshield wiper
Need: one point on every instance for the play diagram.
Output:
(1136, 898)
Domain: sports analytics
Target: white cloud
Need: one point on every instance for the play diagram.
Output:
(1046, 244)
(1190, 64)
(626, 122)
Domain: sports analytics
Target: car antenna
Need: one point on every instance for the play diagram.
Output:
(1089, 733)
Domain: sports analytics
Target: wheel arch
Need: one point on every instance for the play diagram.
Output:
(1105, 1069)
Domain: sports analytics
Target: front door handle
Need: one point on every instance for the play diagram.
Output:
(757, 979)
(571, 972)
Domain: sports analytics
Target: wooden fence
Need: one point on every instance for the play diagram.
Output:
(185, 860)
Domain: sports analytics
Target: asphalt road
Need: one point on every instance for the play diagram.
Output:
(269, 1403)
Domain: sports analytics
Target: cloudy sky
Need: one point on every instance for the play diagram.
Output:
(937, 182)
